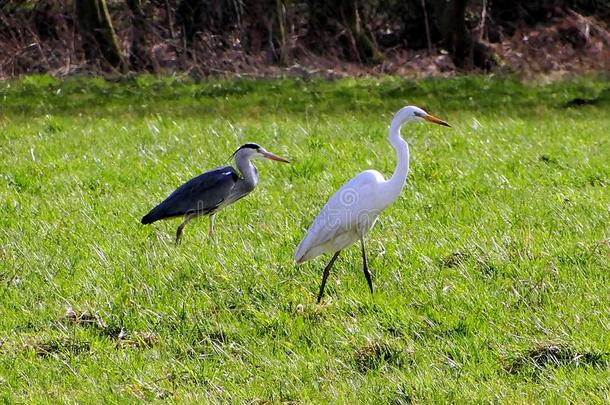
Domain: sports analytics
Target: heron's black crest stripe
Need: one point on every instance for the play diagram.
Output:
(246, 146)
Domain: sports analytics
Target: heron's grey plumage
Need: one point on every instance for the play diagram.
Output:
(211, 191)
(203, 195)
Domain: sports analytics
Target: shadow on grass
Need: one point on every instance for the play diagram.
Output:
(145, 95)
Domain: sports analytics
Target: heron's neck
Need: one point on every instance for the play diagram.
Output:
(247, 170)
(396, 183)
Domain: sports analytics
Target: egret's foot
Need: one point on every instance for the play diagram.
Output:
(365, 266)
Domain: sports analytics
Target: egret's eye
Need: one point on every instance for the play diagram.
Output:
(418, 114)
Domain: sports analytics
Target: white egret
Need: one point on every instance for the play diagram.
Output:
(352, 211)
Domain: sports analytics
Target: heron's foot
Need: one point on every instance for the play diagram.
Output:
(187, 218)
(178, 235)
(211, 227)
(212, 237)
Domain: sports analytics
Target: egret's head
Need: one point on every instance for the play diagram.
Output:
(255, 151)
(412, 113)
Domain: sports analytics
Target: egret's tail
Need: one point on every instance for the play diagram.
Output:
(306, 250)
(300, 253)
(298, 257)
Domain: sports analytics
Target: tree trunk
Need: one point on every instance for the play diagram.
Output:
(139, 55)
(99, 38)
(341, 21)
(263, 29)
(189, 16)
(364, 47)
(282, 46)
(217, 17)
(465, 51)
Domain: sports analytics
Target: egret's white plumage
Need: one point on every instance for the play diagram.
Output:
(352, 211)
(349, 213)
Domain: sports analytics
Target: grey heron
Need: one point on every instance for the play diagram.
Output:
(213, 190)
(352, 211)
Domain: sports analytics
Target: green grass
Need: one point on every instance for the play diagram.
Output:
(492, 269)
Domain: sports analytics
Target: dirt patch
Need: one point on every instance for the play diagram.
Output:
(122, 338)
(92, 320)
(570, 44)
(454, 259)
(218, 337)
(375, 354)
(137, 340)
(58, 346)
(84, 318)
(547, 355)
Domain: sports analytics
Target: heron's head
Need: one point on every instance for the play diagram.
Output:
(255, 151)
(413, 113)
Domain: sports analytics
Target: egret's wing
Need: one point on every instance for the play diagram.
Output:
(201, 194)
(340, 214)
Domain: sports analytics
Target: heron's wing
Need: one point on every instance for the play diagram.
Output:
(341, 213)
(202, 194)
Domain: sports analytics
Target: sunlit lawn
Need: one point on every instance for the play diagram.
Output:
(492, 269)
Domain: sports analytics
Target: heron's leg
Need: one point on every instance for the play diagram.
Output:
(211, 228)
(187, 219)
(325, 274)
(365, 265)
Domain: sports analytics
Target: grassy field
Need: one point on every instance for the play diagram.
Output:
(492, 269)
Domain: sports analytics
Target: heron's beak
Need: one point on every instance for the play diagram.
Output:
(435, 120)
(271, 156)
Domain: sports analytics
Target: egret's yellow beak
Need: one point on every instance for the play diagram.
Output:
(434, 120)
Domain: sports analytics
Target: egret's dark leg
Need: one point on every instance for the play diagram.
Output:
(365, 265)
(187, 219)
(325, 274)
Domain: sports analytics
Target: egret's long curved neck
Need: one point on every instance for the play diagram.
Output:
(246, 168)
(398, 179)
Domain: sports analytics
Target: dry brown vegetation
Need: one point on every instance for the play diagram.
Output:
(43, 36)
